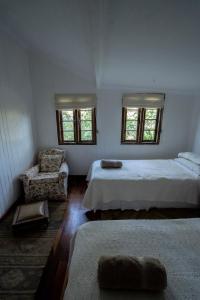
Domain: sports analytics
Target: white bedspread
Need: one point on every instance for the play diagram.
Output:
(175, 242)
(142, 184)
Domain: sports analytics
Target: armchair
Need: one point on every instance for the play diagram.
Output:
(50, 185)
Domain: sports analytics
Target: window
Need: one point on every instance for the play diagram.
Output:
(76, 126)
(142, 124)
(76, 119)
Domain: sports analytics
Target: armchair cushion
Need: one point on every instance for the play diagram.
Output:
(50, 163)
(51, 151)
(45, 178)
(28, 215)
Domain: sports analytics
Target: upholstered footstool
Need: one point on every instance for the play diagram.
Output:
(31, 214)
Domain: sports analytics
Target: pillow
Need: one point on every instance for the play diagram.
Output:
(131, 273)
(30, 211)
(110, 163)
(195, 158)
(50, 163)
(190, 165)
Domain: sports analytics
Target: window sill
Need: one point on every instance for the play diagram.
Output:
(143, 143)
(66, 143)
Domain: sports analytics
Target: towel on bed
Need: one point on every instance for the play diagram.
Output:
(129, 272)
(110, 163)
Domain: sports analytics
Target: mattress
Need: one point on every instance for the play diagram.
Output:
(142, 184)
(175, 242)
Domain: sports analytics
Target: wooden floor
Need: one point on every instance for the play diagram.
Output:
(51, 285)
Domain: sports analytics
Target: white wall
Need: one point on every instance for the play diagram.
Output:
(195, 130)
(174, 135)
(16, 111)
(49, 78)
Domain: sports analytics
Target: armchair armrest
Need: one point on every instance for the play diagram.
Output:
(27, 175)
(64, 170)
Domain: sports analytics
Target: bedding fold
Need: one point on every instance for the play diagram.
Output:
(191, 156)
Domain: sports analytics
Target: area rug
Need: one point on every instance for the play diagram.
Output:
(154, 213)
(23, 255)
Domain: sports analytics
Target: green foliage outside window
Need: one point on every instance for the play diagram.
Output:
(140, 125)
(77, 125)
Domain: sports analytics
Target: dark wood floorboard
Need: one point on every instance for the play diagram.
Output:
(51, 285)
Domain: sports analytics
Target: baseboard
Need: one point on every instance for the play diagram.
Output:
(77, 176)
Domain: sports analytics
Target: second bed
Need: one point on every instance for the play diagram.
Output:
(174, 242)
(142, 184)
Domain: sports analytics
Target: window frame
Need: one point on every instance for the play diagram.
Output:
(140, 127)
(77, 128)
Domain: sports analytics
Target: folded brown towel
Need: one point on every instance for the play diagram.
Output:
(129, 272)
(110, 163)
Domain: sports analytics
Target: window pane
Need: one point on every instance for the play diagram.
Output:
(151, 113)
(68, 136)
(67, 115)
(86, 125)
(132, 114)
(86, 135)
(149, 135)
(68, 125)
(145, 121)
(86, 114)
(131, 125)
(150, 125)
(131, 135)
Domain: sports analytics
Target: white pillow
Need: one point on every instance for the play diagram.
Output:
(195, 158)
(190, 165)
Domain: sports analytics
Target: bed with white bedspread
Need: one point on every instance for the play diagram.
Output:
(176, 243)
(142, 184)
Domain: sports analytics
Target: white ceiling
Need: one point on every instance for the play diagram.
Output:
(127, 43)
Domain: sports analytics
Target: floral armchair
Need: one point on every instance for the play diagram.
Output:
(47, 179)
